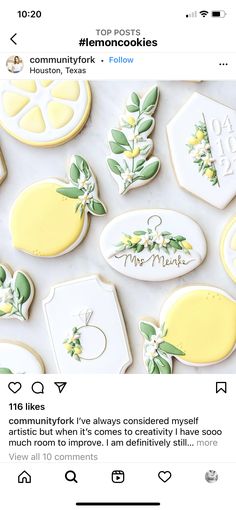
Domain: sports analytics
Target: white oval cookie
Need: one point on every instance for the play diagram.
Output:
(153, 244)
(228, 248)
(19, 358)
(202, 139)
(44, 112)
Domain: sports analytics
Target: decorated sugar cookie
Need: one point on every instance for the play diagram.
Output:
(44, 112)
(197, 326)
(228, 248)
(3, 168)
(153, 244)
(202, 139)
(131, 145)
(16, 294)
(86, 327)
(19, 358)
(50, 218)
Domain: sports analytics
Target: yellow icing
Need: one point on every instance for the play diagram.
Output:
(202, 324)
(45, 83)
(27, 85)
(13, 103)
(33, 121)
(59, 114)
(66, 90)
(43, 222)
(233, 243)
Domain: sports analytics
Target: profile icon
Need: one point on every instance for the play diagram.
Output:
(211, 476)
(14, 64)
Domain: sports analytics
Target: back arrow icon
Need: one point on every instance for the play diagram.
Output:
(12, 38)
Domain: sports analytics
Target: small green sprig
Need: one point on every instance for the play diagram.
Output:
(83, 188)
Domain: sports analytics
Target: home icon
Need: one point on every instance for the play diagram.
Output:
(24, 477)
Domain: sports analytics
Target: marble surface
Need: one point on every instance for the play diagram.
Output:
(27, 165)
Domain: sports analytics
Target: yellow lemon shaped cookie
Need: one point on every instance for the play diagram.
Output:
(202, 323)
(44, 112)
(50, 217)
(228, 248)
(197, 325)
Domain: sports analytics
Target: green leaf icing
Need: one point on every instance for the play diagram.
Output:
(2, 274)
(82, 188)
(5, 371)
(200, 150)
(22, 285)
(157, 352)
(131, 144)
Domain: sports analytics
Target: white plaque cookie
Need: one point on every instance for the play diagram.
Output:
(153, 244)
(86, 327)
(197, 326)
(202, 139)
(131, 145)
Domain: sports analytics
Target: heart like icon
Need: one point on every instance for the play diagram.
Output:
(164, 476)
(14, 387)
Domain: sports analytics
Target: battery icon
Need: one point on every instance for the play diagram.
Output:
(218, 14)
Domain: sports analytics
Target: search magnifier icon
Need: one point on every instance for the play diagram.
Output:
(70, 476)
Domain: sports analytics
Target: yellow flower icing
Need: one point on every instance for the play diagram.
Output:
(202, 323)
(40, 206)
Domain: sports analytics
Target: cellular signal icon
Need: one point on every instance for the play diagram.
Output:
(204, 13)
(192, 14)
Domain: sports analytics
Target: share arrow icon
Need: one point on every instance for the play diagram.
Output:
(61, 386)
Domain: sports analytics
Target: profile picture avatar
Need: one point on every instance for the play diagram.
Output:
(14, 64)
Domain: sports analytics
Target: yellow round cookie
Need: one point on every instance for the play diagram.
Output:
(201, 322)
(43, 222)
(44, 112)
(50, 217)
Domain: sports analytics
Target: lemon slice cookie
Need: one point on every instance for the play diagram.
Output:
(228, 248)
(19, 358)
(44, 112)
(50, 218)
(197, 326)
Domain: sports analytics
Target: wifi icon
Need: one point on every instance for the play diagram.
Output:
(204, 13)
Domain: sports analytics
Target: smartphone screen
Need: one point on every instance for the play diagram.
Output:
(117, 255)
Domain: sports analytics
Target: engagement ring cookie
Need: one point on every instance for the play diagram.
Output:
(3, 168)
(153, 244)
(228, 248)
(44, 112)
(16, 294)
(19, 358)
(86, 327)
(50, 218)
(130, 144)
(197, 326)
(202, 139)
